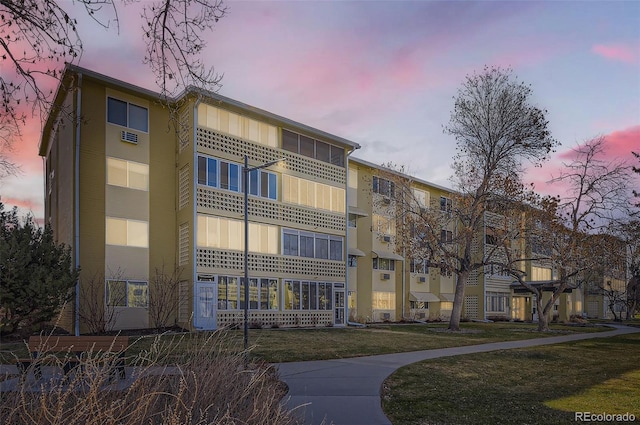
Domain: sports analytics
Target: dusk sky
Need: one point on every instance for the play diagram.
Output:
(383, 74)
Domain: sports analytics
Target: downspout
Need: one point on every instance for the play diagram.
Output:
(484, 275)
(77, 200)
(346, 243)
(194, 208)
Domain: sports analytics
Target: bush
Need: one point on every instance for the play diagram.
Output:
(209, 383)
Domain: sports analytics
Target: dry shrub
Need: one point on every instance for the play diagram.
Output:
(208, 383)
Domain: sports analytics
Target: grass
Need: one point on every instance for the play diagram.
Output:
(285, 345)
(542, 385)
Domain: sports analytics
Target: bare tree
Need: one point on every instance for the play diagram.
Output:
(38, 37)
(96, 313)
(164, 301)
(571, 234)
(497, 130)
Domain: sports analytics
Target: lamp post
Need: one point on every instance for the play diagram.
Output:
(245, 182)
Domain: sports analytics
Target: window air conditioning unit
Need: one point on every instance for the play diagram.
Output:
(385, 316)
(129, 137)
(422, 279)
(385, 276)
(386, 238)
(421, 315)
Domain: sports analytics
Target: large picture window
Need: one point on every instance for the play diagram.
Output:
(306, 295)
(218, 232)
(127, 114)
(263, 293)
(312, 245)
(127, 293)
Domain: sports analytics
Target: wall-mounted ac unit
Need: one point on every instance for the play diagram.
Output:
(129, 137)
(422, 279)
(386, 238)
(385, 276)
(385, 316)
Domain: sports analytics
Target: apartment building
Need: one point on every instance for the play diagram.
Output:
(151, 201)
(384, 282)
(136, 188)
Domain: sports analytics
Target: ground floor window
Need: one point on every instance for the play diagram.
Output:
(263, 293)
(497, 302)
(418, 305)
(446, 305)
(127, 293)
(384, 300)
(306, 295)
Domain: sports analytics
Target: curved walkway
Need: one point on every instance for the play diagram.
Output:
(347, 391)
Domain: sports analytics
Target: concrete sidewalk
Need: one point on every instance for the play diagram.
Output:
(347, 391)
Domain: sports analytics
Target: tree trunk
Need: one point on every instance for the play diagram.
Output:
(458, 301)
(543, 315)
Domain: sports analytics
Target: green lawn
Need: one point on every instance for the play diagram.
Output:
(285, 345)
(542, 385)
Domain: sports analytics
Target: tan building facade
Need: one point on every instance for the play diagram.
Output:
(151, 200)
(147, 195)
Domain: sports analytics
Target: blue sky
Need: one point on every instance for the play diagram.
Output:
(383, 74)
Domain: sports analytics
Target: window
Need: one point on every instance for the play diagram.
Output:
(418, 305)
(421, 197)
(496, 302)
(133, 175)
(228, 175)
(124, 232)
(384, 264)
(312, 148)
(540, 273)
(306, 295)
(127, 293)
(312, 245)
(445, 204)
(383, 300)
(418, 266)
(263, 293)
(352, 261)
(446, 236)
(384, 225)
(127, 115)
(352, 220)
(237, 125)
(312, 194)
(383, 187)
(223, 233)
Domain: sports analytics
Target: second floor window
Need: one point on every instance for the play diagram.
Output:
(311, 245)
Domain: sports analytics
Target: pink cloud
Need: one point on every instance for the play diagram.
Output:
(618, 52)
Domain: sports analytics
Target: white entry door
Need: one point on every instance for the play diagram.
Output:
(205, 300)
